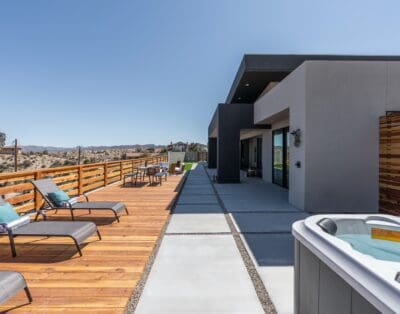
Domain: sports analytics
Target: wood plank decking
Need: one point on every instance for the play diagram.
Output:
(103, 279)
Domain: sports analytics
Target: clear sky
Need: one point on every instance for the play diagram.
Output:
(94, 72)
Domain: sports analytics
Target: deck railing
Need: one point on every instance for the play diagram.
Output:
(74, 180)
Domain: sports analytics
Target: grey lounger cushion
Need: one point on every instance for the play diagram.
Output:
(79, 230)
(10, 283)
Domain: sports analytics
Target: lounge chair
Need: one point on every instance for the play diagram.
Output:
(11, 282)
(47, 186)
(22, 226)
(176, 168)
(180, 167)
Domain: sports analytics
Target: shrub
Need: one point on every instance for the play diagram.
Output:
(26, 163)
(56, 163)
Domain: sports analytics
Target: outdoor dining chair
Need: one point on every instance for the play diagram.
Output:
(133, 176)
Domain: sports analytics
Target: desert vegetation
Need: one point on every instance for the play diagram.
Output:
(45, 159)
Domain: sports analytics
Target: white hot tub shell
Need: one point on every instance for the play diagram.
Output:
(332, 277)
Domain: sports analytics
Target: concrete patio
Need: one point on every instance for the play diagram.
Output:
(199, 267)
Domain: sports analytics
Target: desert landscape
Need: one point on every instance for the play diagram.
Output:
(39, 157)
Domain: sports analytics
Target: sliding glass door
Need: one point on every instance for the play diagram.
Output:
(280, 157)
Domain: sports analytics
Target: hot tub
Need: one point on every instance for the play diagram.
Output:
(347, 264)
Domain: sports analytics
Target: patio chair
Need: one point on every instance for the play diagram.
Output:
(171, 169)
(47, 186)
(22, 226)
(164, 166)
(11, 282)
(133, 176)
(180, 167)
(160, 174)
(151, 173)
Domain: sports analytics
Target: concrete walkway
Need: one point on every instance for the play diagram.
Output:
(199, 268)
(264, 217)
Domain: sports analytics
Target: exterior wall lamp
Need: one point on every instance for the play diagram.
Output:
(297, 137)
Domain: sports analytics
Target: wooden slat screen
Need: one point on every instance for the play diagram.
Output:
(389, 163)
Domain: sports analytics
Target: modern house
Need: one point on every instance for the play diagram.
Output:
(309, 123)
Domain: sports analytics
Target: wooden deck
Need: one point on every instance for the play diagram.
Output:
(103, 279)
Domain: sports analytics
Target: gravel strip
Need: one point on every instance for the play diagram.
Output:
(196, 233)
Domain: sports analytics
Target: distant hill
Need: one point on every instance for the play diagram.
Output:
(38, 149)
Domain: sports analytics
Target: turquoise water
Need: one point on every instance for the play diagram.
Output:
(380, 249)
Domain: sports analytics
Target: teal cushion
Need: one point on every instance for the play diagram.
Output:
(59, 198)
(7, 213)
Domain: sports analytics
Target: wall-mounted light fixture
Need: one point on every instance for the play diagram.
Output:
(297, 137)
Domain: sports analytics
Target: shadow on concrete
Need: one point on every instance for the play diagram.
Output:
(197, 209)
(264, 217)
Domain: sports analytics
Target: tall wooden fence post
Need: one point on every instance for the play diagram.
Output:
(80, 180)
(120, 170)
(38, 197)
(105, 173)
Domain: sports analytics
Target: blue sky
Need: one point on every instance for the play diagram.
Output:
(97, 72)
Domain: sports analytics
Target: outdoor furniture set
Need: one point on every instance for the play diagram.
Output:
(155, 173)
(15, 225)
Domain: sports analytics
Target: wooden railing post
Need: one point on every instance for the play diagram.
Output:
(120, 170)
(105, 173)
(38, 197)
(80, 180)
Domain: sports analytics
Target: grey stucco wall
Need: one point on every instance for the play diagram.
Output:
(273, 108)
(336, 105)
(344, 100)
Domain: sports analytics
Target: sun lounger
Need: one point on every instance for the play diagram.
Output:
(47, 186)
(77, 231)
(11, 282)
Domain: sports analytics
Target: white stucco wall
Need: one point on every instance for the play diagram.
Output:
(336, 105)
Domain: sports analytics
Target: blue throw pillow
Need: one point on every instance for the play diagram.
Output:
(59, 198)
(7, 213)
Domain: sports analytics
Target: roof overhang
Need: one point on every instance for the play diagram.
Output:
(257, 71)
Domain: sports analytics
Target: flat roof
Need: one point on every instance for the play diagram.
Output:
(257, 71)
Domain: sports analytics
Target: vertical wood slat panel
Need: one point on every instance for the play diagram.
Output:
(389, 163)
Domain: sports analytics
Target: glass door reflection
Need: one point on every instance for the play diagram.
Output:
(280, 158)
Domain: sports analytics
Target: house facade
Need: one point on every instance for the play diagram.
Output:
(309, 124)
